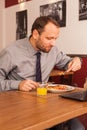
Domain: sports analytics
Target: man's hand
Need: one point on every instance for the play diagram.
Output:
(28, 85)
(74, 64)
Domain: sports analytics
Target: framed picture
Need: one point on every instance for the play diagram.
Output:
(56, 10)
(21, 22)
(82, 9)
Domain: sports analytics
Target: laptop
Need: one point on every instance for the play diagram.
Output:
(81, 95)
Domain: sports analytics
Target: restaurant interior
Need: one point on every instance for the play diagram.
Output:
(73, 31)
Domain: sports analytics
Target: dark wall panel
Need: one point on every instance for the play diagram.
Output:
(9, 3)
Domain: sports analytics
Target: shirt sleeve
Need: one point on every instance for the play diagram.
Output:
(5, 68)
(62, 60)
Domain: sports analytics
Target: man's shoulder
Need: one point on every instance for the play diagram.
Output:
(54, 49)
(18, 44)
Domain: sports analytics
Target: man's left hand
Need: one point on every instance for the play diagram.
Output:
(74, 64)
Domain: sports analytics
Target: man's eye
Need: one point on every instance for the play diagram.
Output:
(49, 38)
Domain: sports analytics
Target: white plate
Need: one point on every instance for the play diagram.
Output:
(59, 88)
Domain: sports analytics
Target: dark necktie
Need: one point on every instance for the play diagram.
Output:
(38, 68)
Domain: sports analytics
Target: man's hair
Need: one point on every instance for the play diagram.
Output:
(41, 22)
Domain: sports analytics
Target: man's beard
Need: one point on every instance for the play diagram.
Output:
(43, 49)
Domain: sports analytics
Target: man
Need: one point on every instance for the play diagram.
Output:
(18, 62)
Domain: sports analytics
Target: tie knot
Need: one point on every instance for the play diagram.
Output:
(38, 54)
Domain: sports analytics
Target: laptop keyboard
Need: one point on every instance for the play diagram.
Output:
(78, 94)
(81, 95)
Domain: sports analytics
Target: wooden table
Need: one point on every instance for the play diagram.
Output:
(65, 77)
(27, 111)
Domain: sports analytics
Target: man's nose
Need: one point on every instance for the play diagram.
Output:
(52, 43)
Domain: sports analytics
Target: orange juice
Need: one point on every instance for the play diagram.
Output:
(42, 90)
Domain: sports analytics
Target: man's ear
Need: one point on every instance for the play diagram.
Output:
(35, 34)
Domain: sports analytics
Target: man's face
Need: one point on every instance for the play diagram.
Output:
(46, 40)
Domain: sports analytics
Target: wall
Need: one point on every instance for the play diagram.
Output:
(1, 23)
(72, 38)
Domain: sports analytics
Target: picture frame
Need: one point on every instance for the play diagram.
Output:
(82, 9)
(57, 10)
(21, 22)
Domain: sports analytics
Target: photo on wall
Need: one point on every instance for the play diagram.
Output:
(82, 9)
(21, 22)
(56, 10)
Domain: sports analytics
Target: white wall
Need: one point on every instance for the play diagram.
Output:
(72, 40)
(1, 23)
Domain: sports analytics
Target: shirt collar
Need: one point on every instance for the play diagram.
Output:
(31, 50)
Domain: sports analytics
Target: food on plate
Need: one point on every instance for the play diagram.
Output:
(58, 87)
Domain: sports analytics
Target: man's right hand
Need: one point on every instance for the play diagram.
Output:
(27, 85)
